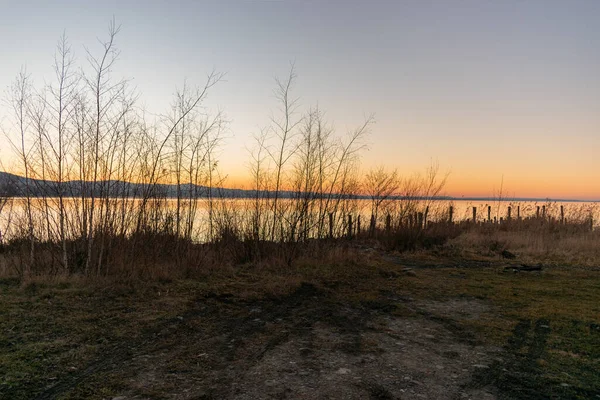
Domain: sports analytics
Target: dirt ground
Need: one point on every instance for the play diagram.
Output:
(310, 343)
(303, 346)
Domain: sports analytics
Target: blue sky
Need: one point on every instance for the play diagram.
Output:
(489, 89)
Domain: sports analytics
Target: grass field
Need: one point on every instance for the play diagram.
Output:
(78, 339)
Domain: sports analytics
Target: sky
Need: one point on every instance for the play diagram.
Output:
(503, 94)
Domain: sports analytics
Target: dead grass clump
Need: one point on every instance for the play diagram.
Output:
(414, 238)
(541, 245)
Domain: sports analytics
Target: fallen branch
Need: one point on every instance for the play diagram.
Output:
(523, 268)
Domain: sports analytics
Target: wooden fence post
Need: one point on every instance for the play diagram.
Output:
(537, 212)
(519, 213)
(544, 212)
(508, 216)
(474, 215)
(489, 213)
(425, 217)
(562, 215)
(450, 211)
(358, 226)
(330, 225)
(420, 220)
(349, 226)
(372, 225)
(305, 228)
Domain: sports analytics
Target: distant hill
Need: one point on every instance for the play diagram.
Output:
(12, 185)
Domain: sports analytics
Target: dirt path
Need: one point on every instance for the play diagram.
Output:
(306, 345)
(393, 329)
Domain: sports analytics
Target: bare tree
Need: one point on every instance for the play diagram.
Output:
(104, 96)
(283, 129)
(433, 185)
(342, 167)
(21, 95)
(381, 186)
(62, 97)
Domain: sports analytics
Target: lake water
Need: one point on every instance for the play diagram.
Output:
(13, 216)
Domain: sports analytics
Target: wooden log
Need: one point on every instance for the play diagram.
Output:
(507, 254)
(523, 268)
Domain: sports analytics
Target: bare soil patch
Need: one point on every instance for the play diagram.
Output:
(442, 333)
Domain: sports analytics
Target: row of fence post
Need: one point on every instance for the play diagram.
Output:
(419, 219)
(416, 220)
(538, 215)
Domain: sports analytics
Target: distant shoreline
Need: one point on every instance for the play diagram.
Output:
(353, 197)
(48, 188)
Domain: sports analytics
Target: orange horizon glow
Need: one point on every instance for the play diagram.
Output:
(546, 184)
(483, 188)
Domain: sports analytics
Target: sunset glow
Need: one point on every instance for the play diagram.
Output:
(503, 95)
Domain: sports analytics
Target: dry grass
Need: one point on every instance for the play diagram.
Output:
(548, 323)
(533, 246)
(65, 325)
(164, 257)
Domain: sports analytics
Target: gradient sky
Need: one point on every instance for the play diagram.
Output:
(496, 91)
